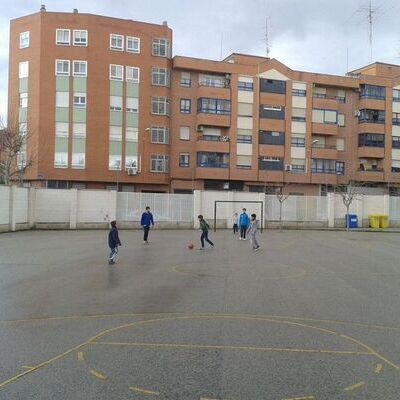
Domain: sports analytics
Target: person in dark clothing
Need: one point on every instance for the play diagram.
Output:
(204, 232)
(113, 242)
(146, 221)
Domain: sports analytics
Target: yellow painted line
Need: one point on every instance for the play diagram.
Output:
(97, 374)
(222, 347)
(144, 391)
(27, 367)
(354, 387)
(378, 368)
(301, 398)
(80, 356)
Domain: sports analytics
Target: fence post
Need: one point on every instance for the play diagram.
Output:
(12, 221)
(112, 211)
(73, 208)
(261, 197)
(331, 210)
(196, 207)
(386, 204)
(31, 207)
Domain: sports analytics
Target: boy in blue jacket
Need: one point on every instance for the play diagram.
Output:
(243, 223)
(146, 221)
(113, 242)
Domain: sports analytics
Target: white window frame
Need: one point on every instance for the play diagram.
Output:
(116, 165)
(115, 103)
(80, 44)
(80, 157)
(134, 106)
(160, 100)
(161, 74)
(23, 69)
(79, 73)
(23, 100)
(62, 129)
(161, 160)
(115, 133)
(62, 99)
(58, 43)
(22, 37)
(80, 96)
(167, 50)
(132, 79)
(116, 36)
(62, 73)
(133, 50)
(183, 137)
(58, 164)
(159, 135)
(79, 130)
(131, 134)
(116, 77)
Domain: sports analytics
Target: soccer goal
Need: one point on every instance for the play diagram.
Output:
(261, 203)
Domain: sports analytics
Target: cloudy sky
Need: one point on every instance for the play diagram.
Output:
(311, 35)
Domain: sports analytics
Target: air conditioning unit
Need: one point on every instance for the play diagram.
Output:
(132, 171)
(288, 167)
(200, 128)
(357, 113)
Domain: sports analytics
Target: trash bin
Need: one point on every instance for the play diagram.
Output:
(374, 221)
(384, 221)
(351, 221)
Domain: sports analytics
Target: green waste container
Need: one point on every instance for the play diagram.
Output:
(374, 221)
(384, 221)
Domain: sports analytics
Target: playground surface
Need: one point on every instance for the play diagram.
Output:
(312, 315)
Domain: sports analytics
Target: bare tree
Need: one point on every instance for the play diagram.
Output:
(348, 193)
(13, 153)
(281, 197)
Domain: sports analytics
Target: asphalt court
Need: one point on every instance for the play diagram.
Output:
(310, 316)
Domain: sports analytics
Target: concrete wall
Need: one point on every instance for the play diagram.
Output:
(22, 208)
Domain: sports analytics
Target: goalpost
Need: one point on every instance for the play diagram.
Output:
(242, 202)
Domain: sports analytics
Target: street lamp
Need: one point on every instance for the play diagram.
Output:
(310, 159)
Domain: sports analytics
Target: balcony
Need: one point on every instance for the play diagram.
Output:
(325, 151)
(327, 102)
(324, 129)
(371, 174)
(213, 143)
(214, 90)
(371, 152)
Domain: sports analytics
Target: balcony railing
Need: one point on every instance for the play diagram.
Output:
(339, 99)
(371, 169)
(214, 138)
(212, 165)
(396, 121)
(324, 146)
(214, 84)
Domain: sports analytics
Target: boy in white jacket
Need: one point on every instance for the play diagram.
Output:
(252, 231)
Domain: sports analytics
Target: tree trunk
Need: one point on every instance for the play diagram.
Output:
(348, 218)
(280, 215)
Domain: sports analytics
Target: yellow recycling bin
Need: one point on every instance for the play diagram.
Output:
(384, 221)
(374, 221)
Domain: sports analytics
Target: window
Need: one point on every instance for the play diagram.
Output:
(161, 48)
(319, 92)
(299, 114)
(396, 118)
(131, 134)
(79, 130)
(371, 140)
(132, 74)
(341, 121)
(324, 166)
(159, 134)
(184, 133)
(132, 104)
(24, 69)
(372, 92)
(272, 86)
(298, 165)
(245, 86)
(270, 163)
(272, 112)
(79, 68)
(245, 110)
(324, 116)
(80, 100)
(341, 96)
(184, 160)
(339, 168)
(160, 76)
(212, 81)
(62, 67)
(159, 163)
(340, 144)
(212, 160)
(115, 133)
(159, 105)
(299, 92)
(114, 162)
(372, 116)
(272, 137)
(22, 129)
(60, 160)
(23, 100)
(133, 44)
(396, 94)
(213, 106)
(396, 142)
(24, 40)
(78, 160)
(63, 37)
(185, 106)
(244, 139)
(297, 142)
(116, 72)
(185, 79)
(80, 37)
(131, 161)
(62, 99)
(243, 162)
(116, 42)
(115, 103)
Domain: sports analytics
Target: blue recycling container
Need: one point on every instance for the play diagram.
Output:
(351, 221)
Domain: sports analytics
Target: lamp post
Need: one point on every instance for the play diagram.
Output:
(310, 159)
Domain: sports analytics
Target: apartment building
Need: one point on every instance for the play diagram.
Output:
(106, 105)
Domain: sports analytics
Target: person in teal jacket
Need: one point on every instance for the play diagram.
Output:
(243, 223)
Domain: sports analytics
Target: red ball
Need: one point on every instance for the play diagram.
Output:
(190, 246)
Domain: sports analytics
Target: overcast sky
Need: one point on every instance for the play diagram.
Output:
(311, 35)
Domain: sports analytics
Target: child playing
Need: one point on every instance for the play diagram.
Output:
(204, 229)
(244, 224)
(113, 242)
(235, 222)
(252, 231)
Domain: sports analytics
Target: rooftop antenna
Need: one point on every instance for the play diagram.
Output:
(267, 38)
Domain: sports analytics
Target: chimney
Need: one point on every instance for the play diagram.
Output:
(165, 23)
(43, 8)
(75, 11)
